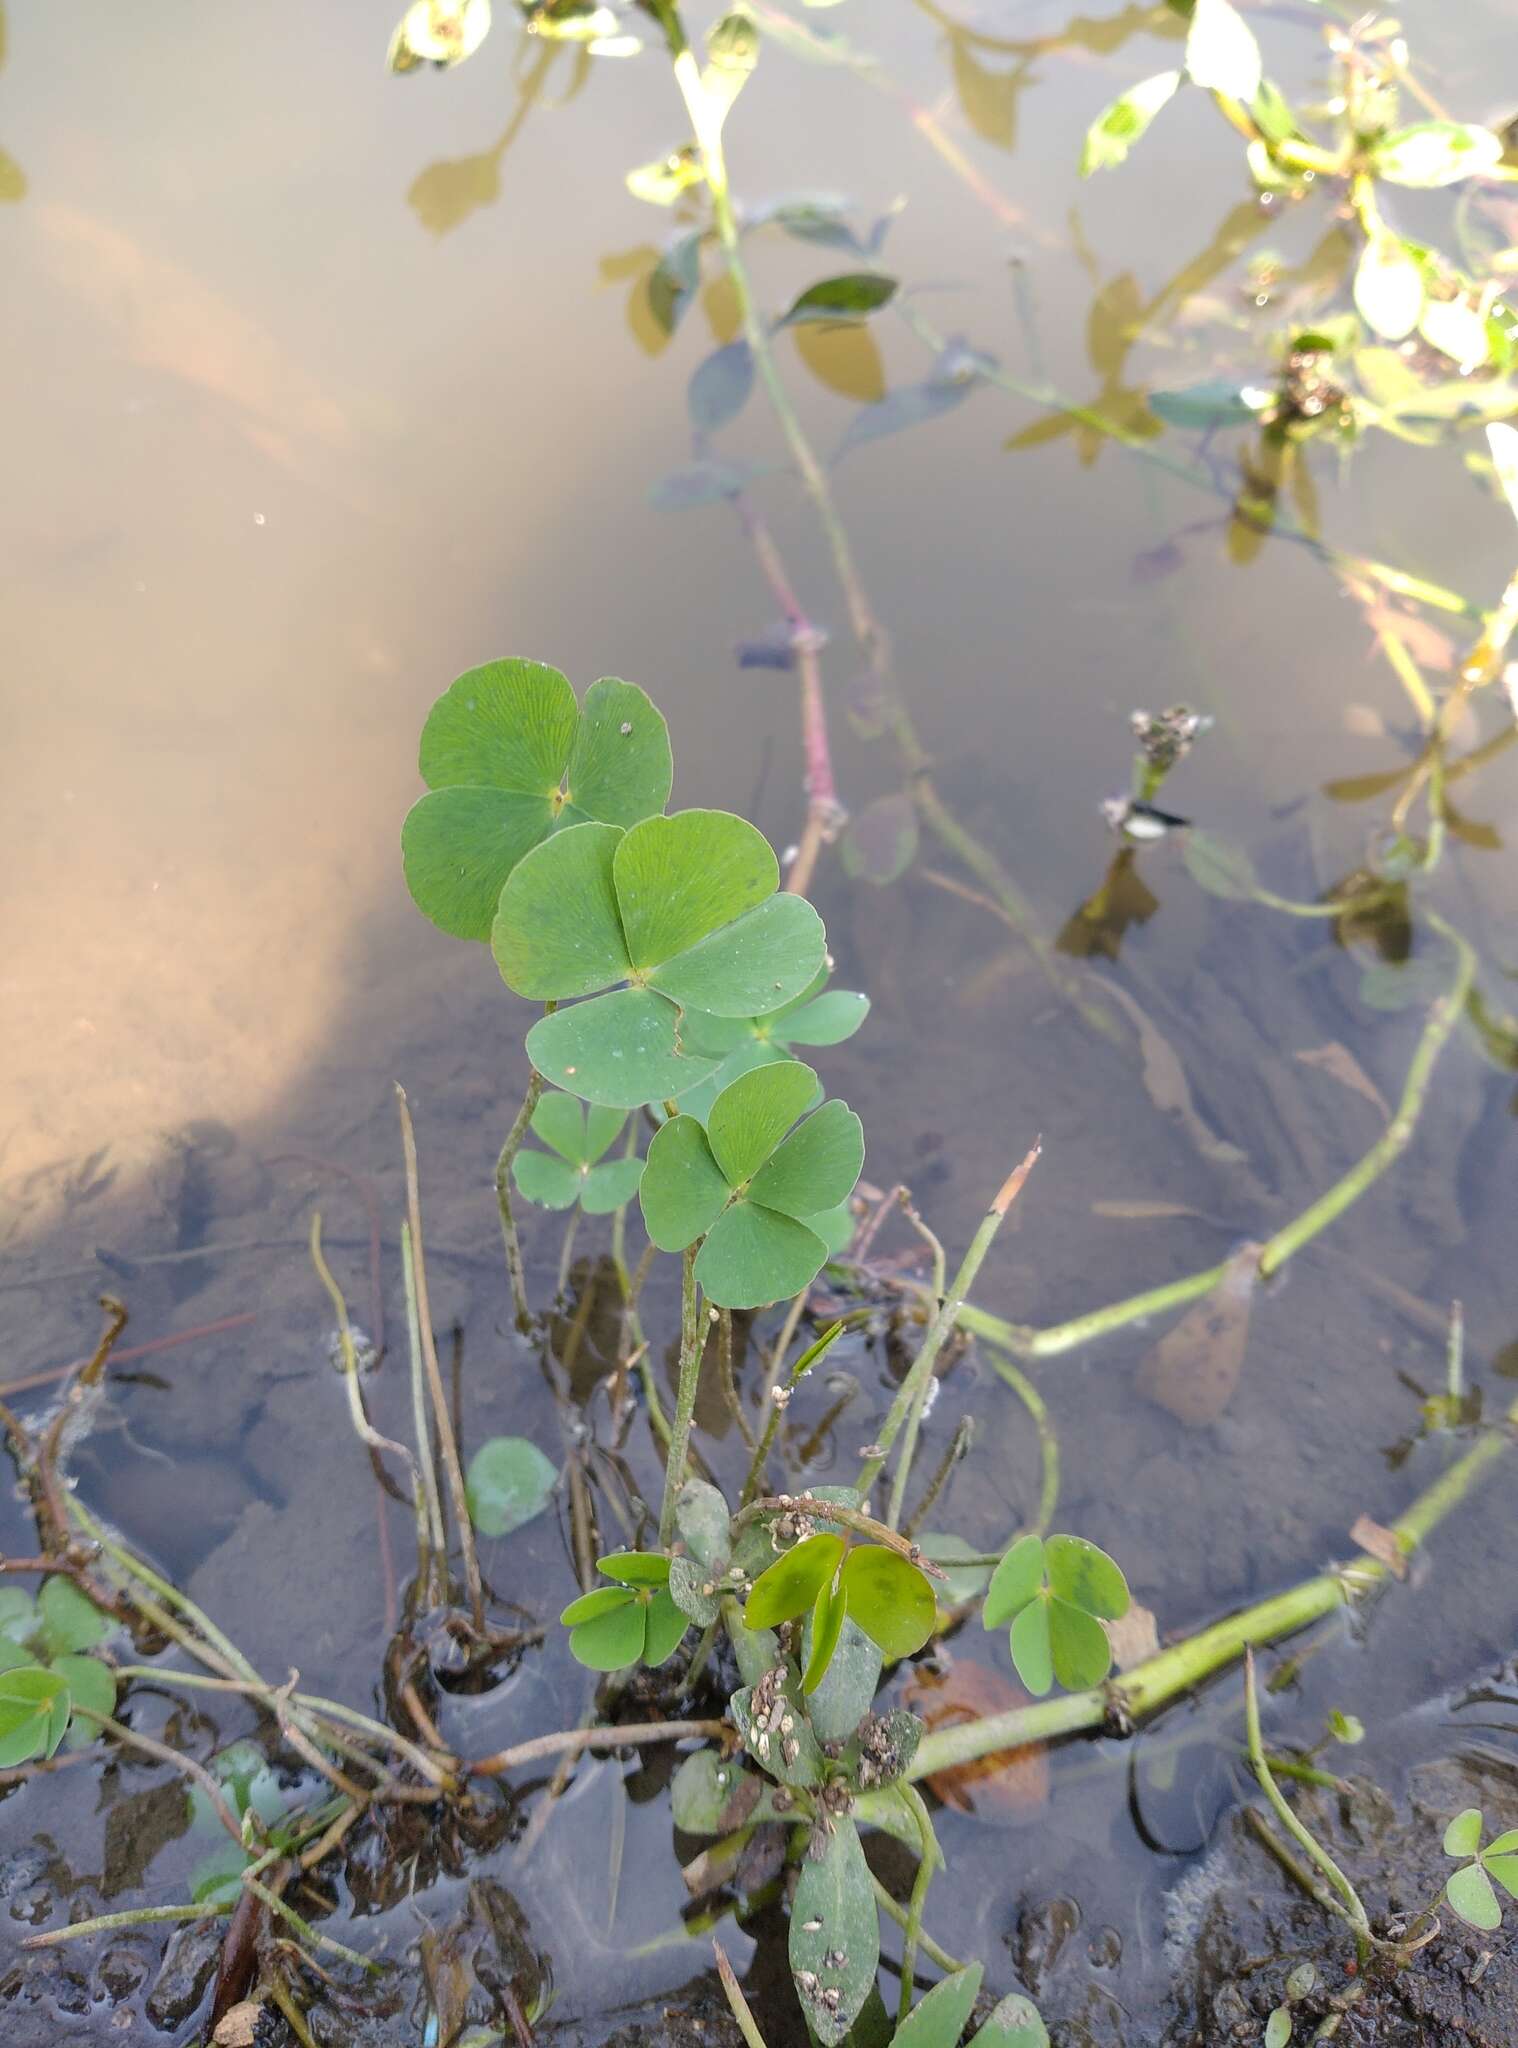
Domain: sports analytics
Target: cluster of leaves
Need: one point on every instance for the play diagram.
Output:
(883, 1593)
(1469, 1889)
(632, 1621)
(260, 1803)
(45, 1675)
(576, 1169)
(1056, 1592)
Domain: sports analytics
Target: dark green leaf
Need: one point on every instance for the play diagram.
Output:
(591, 1606)
(509, 1481)
(851, 297)
(938, 2020)
(701, 1516)
(749, 1119)
(843, 1696)
(635, 1567)
(676, 277)
(833, 1913)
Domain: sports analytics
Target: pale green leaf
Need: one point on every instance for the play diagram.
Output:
(1463, 1835)
(1086, 1577)
(1015, 2022)
(1014, 1582)
(1469, 1891)
(548, 1182)
(509, 1482)
(835, 1227)
(602, 1129)
(757, 963)
(702, 1518)
(1118, 126)
(843, 1695)
(18, 1614)
(610, 1185)
(92, 1686)
(681, 878)
(1435, 153)
(1389, 287)
(1278, 2028)
(1032, 1653)
(1220, 869)
(826, 1019)
(557, 930)
(686, 1581)
(1221, 52)
(961, 1581)
(34, 1713)
(1504, 1869)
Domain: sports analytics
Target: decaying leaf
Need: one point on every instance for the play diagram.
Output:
(1134, 1637)
(1340, 1062)
(1193, 1370)
(1380, 1543)
(238, 2027)
(1165, 1081)
(1008, 1785)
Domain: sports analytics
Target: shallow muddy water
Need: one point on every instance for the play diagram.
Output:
(326, 384)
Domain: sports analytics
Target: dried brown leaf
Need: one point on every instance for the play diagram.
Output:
(1134, 1637)
(1381, 1544)
(1339, 1062)
(1194, 1368)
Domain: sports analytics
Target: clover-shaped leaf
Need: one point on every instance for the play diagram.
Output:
(1469, 1890)
(748, 1189)
(685, 910)
(508, 1483)
(879, 1590)
(34, 1713)
(631, 1621)
(509, 757)
(1056, 1594)
(575, 1170)
(818, 1016)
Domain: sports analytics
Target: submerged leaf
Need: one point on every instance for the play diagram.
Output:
(907, 406)
(720, 386)
(1118, 126)
(851, 297)
(509, 1482)
(881, 841)
(1009, 1784)
(1193, 1370)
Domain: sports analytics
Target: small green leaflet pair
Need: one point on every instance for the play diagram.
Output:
(878, 1589)
(1056, 1592)
(1469, 1889)
(44, 1675)
(631, 1622)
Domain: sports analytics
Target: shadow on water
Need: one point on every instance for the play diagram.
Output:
(329, 405)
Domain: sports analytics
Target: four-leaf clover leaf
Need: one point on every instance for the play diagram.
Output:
(1056, 1594)
(747, 1189)
(818, 1016)
(685, 911)
(571, 1172)
(1469, 1889)
(509, 757)
(633, 1620)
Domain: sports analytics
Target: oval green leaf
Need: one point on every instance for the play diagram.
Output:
(753, 1256)
(614, 1639)
(1278, 2028)
(889, 1598)
(621, 1050)
(1470, 1893)
(635, 1567)
(1086, 1577)
(851, 297)
(815, 1168)
(1463, 1835)
(1014, 1582)
(559, 1120)
(591, 1606)
(938, 2020)
(1032, 1653)
(509, 1481)
(545, 1181)
(70, 1619)
(664, 1625)
(834, 1913)
(791, 1584)
(828, 1612)
(1078, 1645)
(557, 930)
(826, 1020)
(683, 1190)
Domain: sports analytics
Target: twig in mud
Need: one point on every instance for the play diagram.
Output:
(632, 1735)
(441, 1419)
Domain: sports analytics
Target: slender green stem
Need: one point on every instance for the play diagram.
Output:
(754, 1483)
(140, 1916)
(1048, 1441)
(927, 1862)
(231, 1657)
(567, 1248)
(692, 1346)
(1023, 1341)
(908, 1394)
(432, 1540)
(725, 1374)
(306, 1931)
(930, 1948)
(1185, 1665)
(954, 1450)
(1300, 1833)
(1454, 1360)
(509, 1151)
(742, 2012)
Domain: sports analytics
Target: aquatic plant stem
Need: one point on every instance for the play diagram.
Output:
(732, 1990)
(927, 1861)
(933, 1950)
(509, 1151)
(1296, 1828)
(692, 1349)
(306, 1931)
(725, 1373)
(1185, 1665)
(1048, 1441)
(569, 1741)
(909, 1394)
(1025, 1341)
(140, 1916)
(441, 1419)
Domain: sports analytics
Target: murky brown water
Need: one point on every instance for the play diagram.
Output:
(285, 457)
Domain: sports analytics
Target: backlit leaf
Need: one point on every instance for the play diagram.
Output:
(34, 1713)
(1221, 52)
(826, 1626)
(1463, 1835)
(938, 2020)
(889, 1598)
(1470, 1893)
(1389, 287)
(833, 1913)
(1435, 153)
(509, 1482)
(1085, 1576)
(791, 1584)
(1504, 1869)
(1118, 126)
(851, 297)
